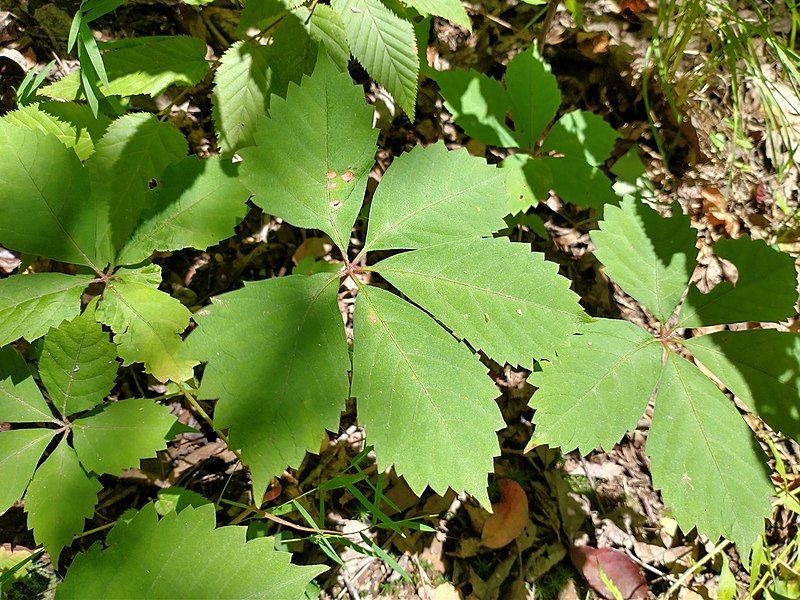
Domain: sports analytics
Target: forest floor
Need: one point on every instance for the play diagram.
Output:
(606, 499)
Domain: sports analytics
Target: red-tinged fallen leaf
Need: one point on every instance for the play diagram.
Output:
(633, 6)
(509, 516)
(625, 574)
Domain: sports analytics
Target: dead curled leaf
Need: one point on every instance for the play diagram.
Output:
(625, 574)
(509, 516)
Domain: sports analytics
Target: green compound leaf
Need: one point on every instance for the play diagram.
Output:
(31, 304)
(20, 398)
(317, 176)
(198, 204)
(44, 192)
(416, 206)
(204, 562)
(582, 134)
(499, 296)
(385, 46)
(452, 10)
(136, 149)
(478, 104)
(146, 65)
(424, 398)
(78, 365)
(73, 124)
(760, 366)
(146, 323)
(597, 388)
(766, 289)
(534, 95)
(121, 434)
(278, 362)
(249, 73)
(60, 482)
(20, 451)
(705, 460)
(651, 258)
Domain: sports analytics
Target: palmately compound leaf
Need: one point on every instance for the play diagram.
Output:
(20, 398)
(765, 290)
(385, 46)
(416, 206)
(78, 365)
(424, 399)
(73, 128)
(479, 104)
(278, 362)
(204, 562)
(534, 95)
(32, 304)
(44, 192)
(651, 258)
(249, 74)
(582, 134)
(705, 460)
(146, 323)
(121, 434)
(316, 177)
(760, 366)
(198, 204)
(597, 388)
(60, 497)
(145, 65)
(20, 451)
(135, 150)
(499, 296)
(452, 10)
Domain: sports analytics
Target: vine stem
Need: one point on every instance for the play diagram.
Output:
(201, 411)
(695, 567)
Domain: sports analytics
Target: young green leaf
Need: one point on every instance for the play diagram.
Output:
(582, 134)
(146, 323)
(60, 482)
(317, 176)
(198, 204)
(121, 434)
(385, 46)
(760, 366)
(765, 290)
(44, 191)
(136, 149)
(31, 304)
(20, 398)
(278, 362)
(20, 451)
(597, 388)
(705, 460)
(415, 206)
(169, 60)
(499, 296)
(452, 10)
(534, 95)
(78, 365)
(203, 562)
(651, 258)
(424, 398)
(479, 104)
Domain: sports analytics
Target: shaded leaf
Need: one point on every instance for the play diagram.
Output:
(651, 258)
(452, 10)
(78, 364)
(203, 562)
(20, 398)
(31, 304)
(327, 28)
(424, 399)
(415, 206)
(534, 95)
(20, 451)
(501, 297)
(582, 134)
(121, 434)
(294, 386)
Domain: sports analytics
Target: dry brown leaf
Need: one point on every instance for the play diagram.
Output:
(509, 516)
(617, 566)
